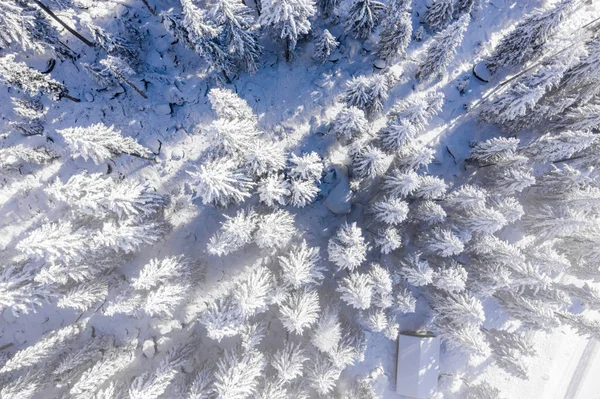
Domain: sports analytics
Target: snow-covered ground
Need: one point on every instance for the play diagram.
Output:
(295, 104)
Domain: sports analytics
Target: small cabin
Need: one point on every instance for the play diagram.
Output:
(418, 364)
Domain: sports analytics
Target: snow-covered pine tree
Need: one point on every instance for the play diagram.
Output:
(396, 32)
(367, 93)
(201, 385)
(451, 278)
(460, 309)
(327, 333)
(348, 249)
(156, 272)
(100, 143)
(273, 190)
(323, 375)
(17, 156)
(153, 384)
(18, 75)
(231, 136)
(404, 301)
(466, 7)
(127, 237)
(56, 242)
(494, 150)
(418, 109)
(388, 239)
(228, 105)
(363, 16)
(219, 182)
(85, 295)
(522, 103)
(324, 46)
(302, 192)
(198, 33)
(430, 187)
(222, 318)
(235, 233)
(289, 361)
(309, 166)
(254, 292)
(113, 361)
(101, 196)
(356, 290)
(238, 32)
(350, 123)
(382, 286)
(442, 50)
(299, 310)
(415, 155)
(561, 146)
(45, 349)
(416, 271)
(237, 374)
(442, 242)
(275, 230)
(368, 161)
(528, 39)
(32, 112)
(18, 293)
(289, 19)
(390, 210)
(429, 213)
(300, 266)
(264, 157)
(440, 14)
(401, 183)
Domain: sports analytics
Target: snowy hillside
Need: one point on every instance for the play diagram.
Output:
(233, 200)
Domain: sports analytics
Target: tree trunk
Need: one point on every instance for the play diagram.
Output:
(64, 25)
(149, 7)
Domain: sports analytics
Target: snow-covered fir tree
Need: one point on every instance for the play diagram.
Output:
(237, 35)
(234, 234)
(300, 310)
(275, 230)
(20, 76)
(368, 161)
(440, 14)
(350, 123)
(396, 33)
(367, 93)
(442, 50)
(528, 39)
(300, 266)
(308, 166)
(324, 46)
(327, 333)
(416, 271)
(273, 190)
(363, 17)
(237, 373)
(219, 182)
(323, 375)
(289, 361)
(289, 20)
(100, 143)
(348, 249)
(302, 192)
(390, 210)
(356, 290)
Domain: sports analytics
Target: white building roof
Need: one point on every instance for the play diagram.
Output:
(418, 365)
